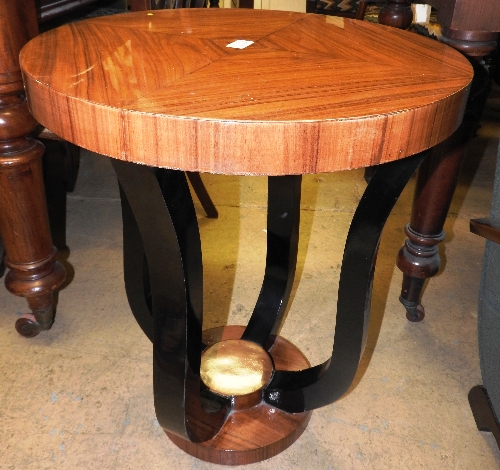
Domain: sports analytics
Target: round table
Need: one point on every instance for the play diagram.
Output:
(243, 92)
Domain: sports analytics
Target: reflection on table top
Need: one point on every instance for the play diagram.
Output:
(309, 93)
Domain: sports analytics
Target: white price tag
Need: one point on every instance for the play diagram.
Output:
(240, 44)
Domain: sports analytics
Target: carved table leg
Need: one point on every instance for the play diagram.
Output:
(24, 226)
(437, 179)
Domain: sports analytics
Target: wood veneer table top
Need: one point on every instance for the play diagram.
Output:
(311, 94)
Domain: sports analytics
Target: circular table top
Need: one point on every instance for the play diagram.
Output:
(311, 94)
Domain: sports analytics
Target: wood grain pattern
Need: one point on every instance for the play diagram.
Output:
(312, 94)
(252, 434)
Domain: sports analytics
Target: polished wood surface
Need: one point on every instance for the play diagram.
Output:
(24, 225)
(194, 177)
(312, 94)
(256, 433)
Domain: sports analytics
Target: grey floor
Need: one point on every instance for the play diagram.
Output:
(80, 395)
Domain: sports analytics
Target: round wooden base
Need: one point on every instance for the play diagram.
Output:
(257, 433)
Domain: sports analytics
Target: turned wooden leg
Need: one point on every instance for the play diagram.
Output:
(437, 179)
(419, 257)
(24, 226)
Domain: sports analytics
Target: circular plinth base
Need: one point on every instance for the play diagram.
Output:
(257, 433)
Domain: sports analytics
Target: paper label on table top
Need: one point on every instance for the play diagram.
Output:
(240, 44)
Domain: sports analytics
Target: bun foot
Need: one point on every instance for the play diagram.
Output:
(27, 326)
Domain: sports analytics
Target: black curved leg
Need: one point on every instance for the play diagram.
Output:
(160, 202)
(135, 269)
(321, 385)
(283, 216)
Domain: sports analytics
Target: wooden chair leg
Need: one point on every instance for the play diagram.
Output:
(437, 178)
(202, 194)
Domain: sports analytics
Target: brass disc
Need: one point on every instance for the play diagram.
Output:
(235, 367)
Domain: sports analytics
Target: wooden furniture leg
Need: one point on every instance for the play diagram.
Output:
(419, 258)
(24, 226)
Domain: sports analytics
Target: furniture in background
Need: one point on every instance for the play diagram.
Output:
(281, 118)
(24, 227)
(471, 27)
(350, 9)
(49, 9)
(485, 400)
(139, 5)
(34, 272)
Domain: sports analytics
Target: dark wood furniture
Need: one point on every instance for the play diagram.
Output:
(152, 80)
(472, 28)
(351, 9)
(484, 399)
(24, 226)
(242, 3)
(49, 9)
(140, 5)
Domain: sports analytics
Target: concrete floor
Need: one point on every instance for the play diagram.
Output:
(80, 395)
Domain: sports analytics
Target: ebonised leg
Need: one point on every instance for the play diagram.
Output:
(283, 216)
(202, 194)
(160, 202)
(322, 384)
(160, 221)
(135, 270)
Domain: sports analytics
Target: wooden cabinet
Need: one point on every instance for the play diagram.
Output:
(48, 9)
